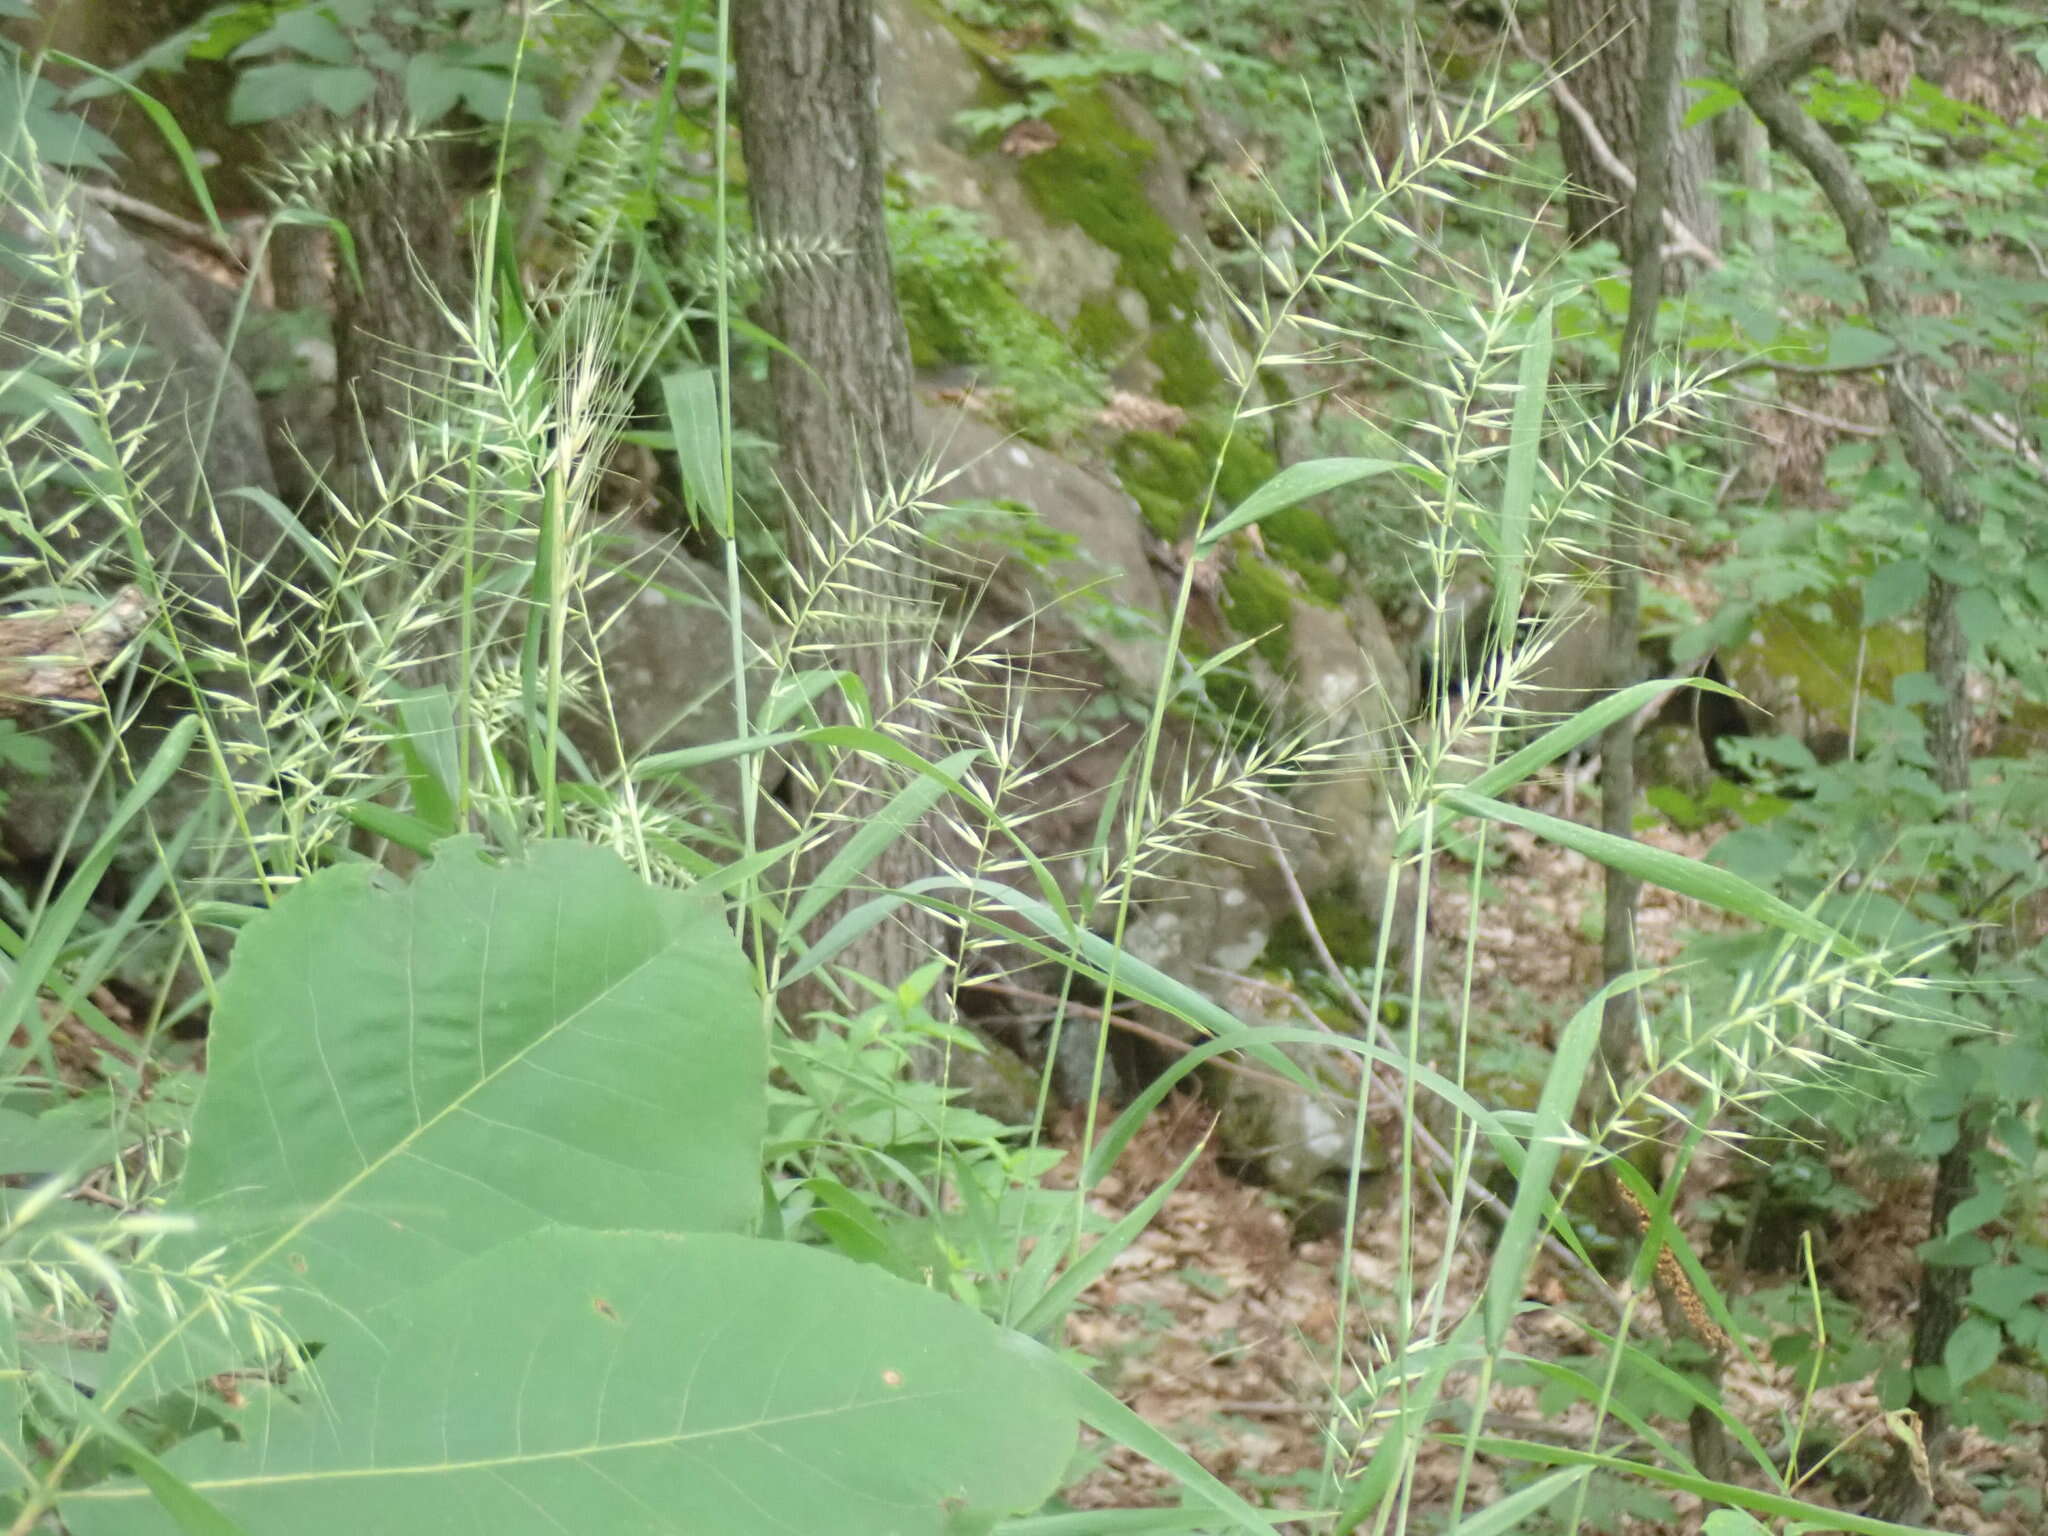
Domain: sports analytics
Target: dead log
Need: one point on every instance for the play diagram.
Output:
(49, 656)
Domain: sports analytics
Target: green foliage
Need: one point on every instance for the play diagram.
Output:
(330, 54)
(1259, 599)
(1831, 595)
(33, 122)
(1094, 178)
(460, 1135)
(494, 1142)
(960, 307)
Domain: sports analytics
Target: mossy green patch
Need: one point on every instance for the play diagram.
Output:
(1102, 332)
(953, 286)
(1344, 917)
(1167, 477)
(1259, 599)
(1247, 464)
(1302, 541)
(1830, 657)
(1094, 178)
(1188, 375)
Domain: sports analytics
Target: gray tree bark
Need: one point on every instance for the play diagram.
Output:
(812, 141)
(1602, 45)
(393, 193)
(1903, 1494)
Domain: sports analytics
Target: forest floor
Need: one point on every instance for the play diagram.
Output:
(1219, 1327)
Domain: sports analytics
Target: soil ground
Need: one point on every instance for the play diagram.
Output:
(1219, 1327)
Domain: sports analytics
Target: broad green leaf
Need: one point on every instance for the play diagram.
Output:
(342, 90)
(1857, 346)
(266, 92)
(399, 1078)
(1972, 1350)
(315, 35)
(691, 398)
(1893, 590)
(1714, 97)
(1296, 483)
(2005, 1291)
(166, 124)
(639, 1382)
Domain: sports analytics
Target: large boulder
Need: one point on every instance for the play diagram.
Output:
(190, 438)
(1091, 195)
(663, 669)
(1062, 549)
(175, 477)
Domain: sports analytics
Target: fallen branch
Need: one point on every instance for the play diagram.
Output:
(48, 657)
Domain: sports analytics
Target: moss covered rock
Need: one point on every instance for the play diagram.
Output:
(1097, 208)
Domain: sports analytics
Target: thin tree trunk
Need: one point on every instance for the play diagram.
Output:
(1603, 45)
(1656, 123)
(392, 191)
(1749, 38)
(812, 140)
(1624, 538)
(1903, 1494)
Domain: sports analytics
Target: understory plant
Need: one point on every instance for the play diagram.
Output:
(511, 1190)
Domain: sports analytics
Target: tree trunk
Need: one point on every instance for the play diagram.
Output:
(1749, 38)
(1662, 42)
(393, 193)
(812, 140)
(1601, 45)
(1903, 1493)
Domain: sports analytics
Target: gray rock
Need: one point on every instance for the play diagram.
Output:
(657, 618)
(199, 438)
(1101, 594)
(929, 76)
(192, 445)
(1211, 909)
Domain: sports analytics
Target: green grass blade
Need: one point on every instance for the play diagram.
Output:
(54, 925)
(1505, 1516)
(690, 396)
(1294, 484)
(1811, 1518)
(1658, 866)
(1561, 738)
(1111, 1419)
(1049, 1308)
(1547, 1140)
(173, 136)
(908, 807)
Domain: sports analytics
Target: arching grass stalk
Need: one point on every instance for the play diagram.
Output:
(1294, 283)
